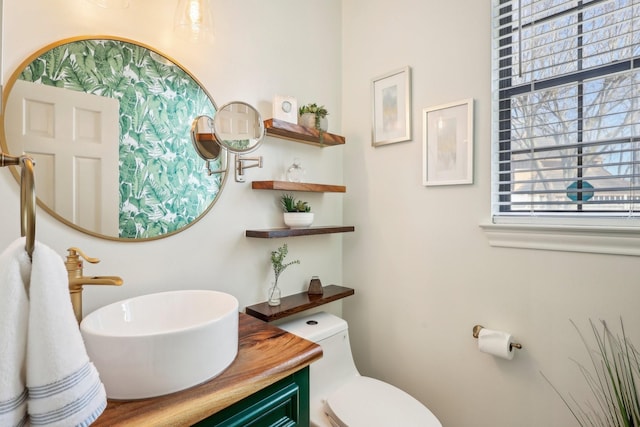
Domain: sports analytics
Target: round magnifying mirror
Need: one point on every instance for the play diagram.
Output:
(203, 139)
(238, 127)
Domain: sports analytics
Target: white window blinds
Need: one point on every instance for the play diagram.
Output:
(566, 81)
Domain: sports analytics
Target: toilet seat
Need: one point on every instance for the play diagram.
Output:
(367, 402)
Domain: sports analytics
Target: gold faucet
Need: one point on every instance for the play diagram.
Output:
(77, 280)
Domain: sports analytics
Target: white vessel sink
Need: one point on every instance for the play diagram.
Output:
(162, 343)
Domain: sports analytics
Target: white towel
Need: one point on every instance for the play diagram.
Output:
(14, 309)
(64, 386)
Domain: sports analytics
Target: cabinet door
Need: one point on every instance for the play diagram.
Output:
(283, 404)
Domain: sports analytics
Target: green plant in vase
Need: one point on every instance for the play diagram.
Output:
(278, 264)
(317, 115)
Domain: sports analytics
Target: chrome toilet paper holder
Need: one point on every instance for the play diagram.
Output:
(478, 328)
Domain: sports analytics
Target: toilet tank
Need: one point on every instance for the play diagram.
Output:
(336, 365)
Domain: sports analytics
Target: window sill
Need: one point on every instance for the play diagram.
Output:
(590, 239)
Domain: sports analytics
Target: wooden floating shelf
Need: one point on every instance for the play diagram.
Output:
(206, 137)
(297, 186)
(290, 232)
(293, 304)
(294, 132)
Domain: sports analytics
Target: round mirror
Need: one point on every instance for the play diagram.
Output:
(108, 122)
(236, 127)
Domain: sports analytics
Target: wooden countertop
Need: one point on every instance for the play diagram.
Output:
(266, 354)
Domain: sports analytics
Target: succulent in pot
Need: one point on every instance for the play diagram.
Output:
(314, 116)
(297, 213)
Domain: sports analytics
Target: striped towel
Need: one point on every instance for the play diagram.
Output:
(14, 310)
(64, 386)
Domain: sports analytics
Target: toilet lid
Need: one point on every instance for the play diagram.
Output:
(369, 402)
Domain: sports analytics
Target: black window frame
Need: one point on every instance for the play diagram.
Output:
(506, 90)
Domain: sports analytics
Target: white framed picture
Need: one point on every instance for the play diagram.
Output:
(391, 95)
(447, 150)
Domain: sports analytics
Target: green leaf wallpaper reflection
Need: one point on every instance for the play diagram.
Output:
(162, 184)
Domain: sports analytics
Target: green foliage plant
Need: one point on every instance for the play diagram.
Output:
(290, 204)
(320, 112)
(613, 381)
(277, 262)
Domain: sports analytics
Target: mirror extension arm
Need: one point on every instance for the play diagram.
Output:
(240, 166)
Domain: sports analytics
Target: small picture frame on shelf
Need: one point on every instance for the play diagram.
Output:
(285, 108)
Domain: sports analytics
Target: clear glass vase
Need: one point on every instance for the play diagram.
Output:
(273, 295)
(295, 172)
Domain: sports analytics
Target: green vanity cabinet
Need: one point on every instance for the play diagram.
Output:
(282, 404)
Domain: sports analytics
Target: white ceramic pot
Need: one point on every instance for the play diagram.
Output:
(324, 124)
(298, 219)
(309, 120)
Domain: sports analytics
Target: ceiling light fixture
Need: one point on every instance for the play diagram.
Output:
(193, 20)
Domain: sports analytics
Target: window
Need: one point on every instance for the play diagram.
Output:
(566, 85)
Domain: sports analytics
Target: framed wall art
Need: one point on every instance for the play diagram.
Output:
(391, 95)
(447, 150)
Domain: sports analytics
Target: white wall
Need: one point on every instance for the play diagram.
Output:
(422, 268)
(260, 51)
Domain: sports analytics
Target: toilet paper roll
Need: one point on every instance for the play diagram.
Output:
(496, 343)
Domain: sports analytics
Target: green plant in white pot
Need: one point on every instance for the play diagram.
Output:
(614, 381)
(313, 116)
(297, 213)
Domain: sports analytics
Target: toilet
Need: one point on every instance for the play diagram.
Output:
(339, 395)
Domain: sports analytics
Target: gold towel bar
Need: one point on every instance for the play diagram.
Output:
(27, 197)
(476, 334)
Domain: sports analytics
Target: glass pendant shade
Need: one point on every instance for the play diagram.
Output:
(194, 21)
(111, 4)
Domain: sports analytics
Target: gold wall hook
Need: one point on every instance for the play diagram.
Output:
(476, 330)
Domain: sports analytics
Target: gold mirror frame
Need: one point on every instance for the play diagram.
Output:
(158, 57)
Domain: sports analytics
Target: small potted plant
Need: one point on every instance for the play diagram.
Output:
(313, 116)
(278, 264)
(297, 213)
